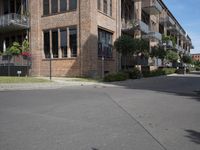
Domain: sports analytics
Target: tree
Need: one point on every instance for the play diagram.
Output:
(142, 46)
(187, 59)
(125, 45)
(158, 52)
(172, 56)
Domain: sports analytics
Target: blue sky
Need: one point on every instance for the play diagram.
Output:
(187, 12)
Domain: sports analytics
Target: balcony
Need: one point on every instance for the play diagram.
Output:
(152, 7)
(143, 26)
(153, 35)
(169, 44)
(174, 29)
(13, 22)
(167, 21)
(127, 25)
(179, 48)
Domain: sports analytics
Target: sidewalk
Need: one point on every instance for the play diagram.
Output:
(57, 82)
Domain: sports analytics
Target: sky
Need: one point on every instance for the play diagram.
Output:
(187, 13)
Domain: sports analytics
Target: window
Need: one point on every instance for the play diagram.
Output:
(63, 5)
(104, 44)
(110, 7)
(61, 48)
(47, 44)
(72, 4)
(63, 42)
(54, 6)
(73, 41)
(55, 43)
(105, 5)
(45, 7)
(18, 7)
(12, 6)
(6, 10)
(99, 4)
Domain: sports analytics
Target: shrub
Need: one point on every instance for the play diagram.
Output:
(168, 70)
(134, 73)
(121, 76)
(197, 68)
(159, 72)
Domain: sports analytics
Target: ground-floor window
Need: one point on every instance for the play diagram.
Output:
(104, 44)
(61, 42)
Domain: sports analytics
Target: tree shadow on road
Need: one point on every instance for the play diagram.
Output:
(193, 135)
(179, 85)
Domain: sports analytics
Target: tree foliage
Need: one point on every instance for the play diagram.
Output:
(15, 49)
(158, 52)
(171, 56)
(187, 59)
(125, 45)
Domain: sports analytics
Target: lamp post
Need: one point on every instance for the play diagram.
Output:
(102, 62)
(50, 67)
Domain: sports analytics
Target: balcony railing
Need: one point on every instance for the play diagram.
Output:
(135, 25)
(168, 21)
(174, 29)
(179, 48)
(152, 7)
(143, 26)
(153, 35)
(169, 44)
(13, 22)
(127, 25)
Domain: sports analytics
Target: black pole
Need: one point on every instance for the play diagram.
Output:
(50, 68)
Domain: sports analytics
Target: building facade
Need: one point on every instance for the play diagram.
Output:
(78, 35)
(196, 57)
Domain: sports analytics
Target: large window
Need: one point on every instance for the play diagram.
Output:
(47, 44)
(73, 41)
(99, 4)
(72, 4)
(45, 7)
(62, 49)
(104, 44)
(105, 6)
(54, 6)
(64, 5)
(55, 43)
(63, 42)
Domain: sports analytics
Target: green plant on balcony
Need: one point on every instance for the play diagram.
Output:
(13, 50)
(166, 38)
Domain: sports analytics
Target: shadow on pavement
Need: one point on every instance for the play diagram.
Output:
(182, 85)
(193, 135)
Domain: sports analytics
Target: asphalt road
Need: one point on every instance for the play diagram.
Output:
(148, 114)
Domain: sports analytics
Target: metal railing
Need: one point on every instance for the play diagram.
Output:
(143, 26)
(14, 19)
(157, 5)
(153, 35)
(168, 20)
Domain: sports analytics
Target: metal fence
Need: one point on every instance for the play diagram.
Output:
(14, 65)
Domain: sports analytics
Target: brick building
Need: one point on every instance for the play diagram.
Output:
(78, 34)
(196, 57)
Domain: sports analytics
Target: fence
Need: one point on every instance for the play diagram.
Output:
(14, 65)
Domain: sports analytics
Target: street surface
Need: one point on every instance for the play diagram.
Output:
(161, 113)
